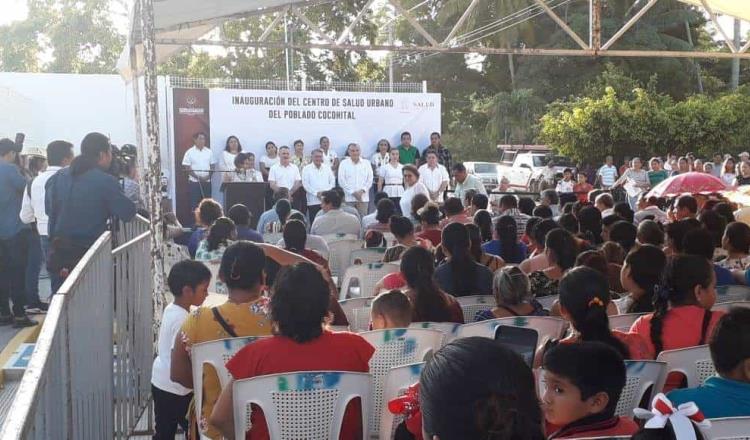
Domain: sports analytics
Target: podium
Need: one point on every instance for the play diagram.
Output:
(250, 194)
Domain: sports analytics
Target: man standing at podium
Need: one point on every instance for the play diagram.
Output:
(199, 162)
(317, 178)
(285, 174)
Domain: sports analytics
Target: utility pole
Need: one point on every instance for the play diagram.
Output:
(734, 82)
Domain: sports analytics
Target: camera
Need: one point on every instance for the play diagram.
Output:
(123, 158)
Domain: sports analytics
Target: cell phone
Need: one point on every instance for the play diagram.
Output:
(522, 340)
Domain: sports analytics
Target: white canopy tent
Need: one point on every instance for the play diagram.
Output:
(161, 28)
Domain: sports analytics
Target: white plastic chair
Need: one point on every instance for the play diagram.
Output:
(641, 377)
(623, 322)
(449, 329)
(396, 382)
(390, 239)
(732, 293)
(728, 428)
(349, 306)
(272, 237)
(305, 405)
(724, 307)
(339, 253)
(368, 275)
(395, 347)
(369, 255)
(470, 305)
(215, 353)
(216, 285)
(547, 327)
(547, 301)
(694, 362)
(339, 328)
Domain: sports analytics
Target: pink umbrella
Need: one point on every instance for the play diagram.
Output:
(690, 183)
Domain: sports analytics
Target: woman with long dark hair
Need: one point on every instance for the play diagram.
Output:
(506, 244)
(492, 262)
(483, 220)
(221, 234)
(232, 148)
(430, 302)
(561, 250)
(641, 276)
(460, 275)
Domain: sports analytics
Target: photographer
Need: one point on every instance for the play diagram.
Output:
(80, 200)
(14, 236)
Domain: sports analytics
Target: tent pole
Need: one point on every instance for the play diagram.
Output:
(153, 177)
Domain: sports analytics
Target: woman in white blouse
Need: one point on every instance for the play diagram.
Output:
(269, 159)
(231, 150)
(244, 169)
(391, 178)
(412, 187)
(381, 156)
(727, 172)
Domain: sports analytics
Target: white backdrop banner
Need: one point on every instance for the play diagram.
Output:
(258, 116)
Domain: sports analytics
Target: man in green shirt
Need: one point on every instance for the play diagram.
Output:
(408, 153)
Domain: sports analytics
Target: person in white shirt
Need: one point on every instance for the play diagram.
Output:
(355, 178)
(649, 207)
(566, 184)
(188, 281)
(434, 177)
(199, 162)
(316, 179)
(269, 159)
(330, 158)
(285, 174)
(59, 155)
(412, 187)
(381, 157)
(333, 220)
(231, 150)
(391, 177)
(607, 174)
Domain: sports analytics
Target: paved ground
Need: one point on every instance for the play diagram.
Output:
(7, 332)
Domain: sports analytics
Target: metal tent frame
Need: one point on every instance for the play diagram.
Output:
(183, 23)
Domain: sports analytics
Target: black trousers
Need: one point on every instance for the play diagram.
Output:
(170, 410)
(13, 256)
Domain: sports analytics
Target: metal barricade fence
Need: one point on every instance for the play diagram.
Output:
(124, 232)
(133, 338)
(67, 389)
(89, 375)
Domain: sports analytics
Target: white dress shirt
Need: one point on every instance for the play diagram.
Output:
(564, 186)
(393, 179)
(409, 193)
(200, 161)
(378, 161)
(317, 179)
(268, 162)
(284, 176)
(432, 178)
(329, 157)
(355, 177)
(228, 161)
(32, 208)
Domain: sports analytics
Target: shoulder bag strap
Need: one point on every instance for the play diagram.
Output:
(222, 322)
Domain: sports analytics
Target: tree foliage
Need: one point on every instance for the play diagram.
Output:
(647, 124)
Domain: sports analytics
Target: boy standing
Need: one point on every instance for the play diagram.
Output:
(188, 281)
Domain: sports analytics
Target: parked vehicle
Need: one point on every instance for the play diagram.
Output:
(487, 172)
(527, 167)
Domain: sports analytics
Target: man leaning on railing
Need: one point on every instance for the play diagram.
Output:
(79, 200)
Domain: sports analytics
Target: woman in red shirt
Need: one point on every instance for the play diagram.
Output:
(429, 302)
(299, 306)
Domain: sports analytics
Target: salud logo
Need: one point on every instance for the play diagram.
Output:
(190, 109)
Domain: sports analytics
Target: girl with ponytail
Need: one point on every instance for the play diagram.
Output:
(584, 295)
(430, 304)
(682, 314)
(640, 277)
(220, 235)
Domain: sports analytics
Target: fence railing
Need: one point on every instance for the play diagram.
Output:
(124, 232)
(89, 374)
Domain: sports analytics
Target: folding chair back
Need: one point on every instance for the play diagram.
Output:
(368, 255)
(394, 347)
(642, 377)
(547, 301)
(368, 275)
(470, 305)
(732, 293)
(339, 253)
(724, 307)
(215, 353)
(308, 405)
(547, 327)
(353, 308)
(694, 362)
(449, 329)
(272, 237)
(728, 428)
(624, 321)
(396, 382)
(216, 285)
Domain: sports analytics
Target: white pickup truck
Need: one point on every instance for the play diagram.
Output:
(525, 167)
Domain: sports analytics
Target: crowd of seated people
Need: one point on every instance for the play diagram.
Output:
(593, 261)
